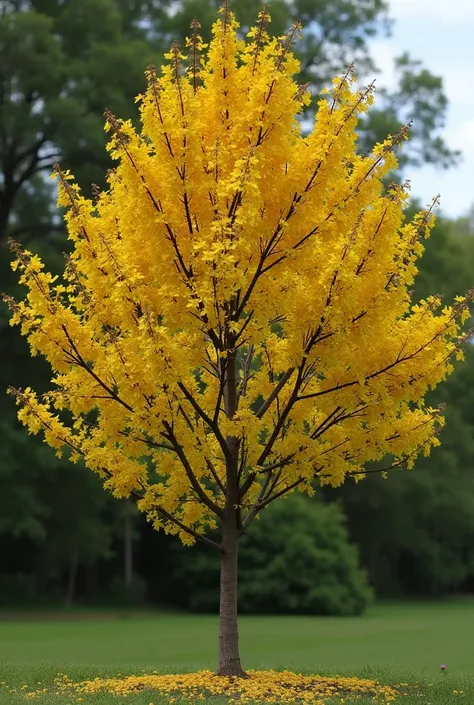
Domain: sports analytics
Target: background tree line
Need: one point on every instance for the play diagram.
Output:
(61, 537)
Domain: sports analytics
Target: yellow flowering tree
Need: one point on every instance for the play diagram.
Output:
(234, 322)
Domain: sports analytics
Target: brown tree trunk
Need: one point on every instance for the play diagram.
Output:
(229, 656)
(128, 548)
(71, 585)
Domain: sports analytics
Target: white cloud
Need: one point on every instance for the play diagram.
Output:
(449, 11)
(464, 138)
(384, 52)
(439, 33)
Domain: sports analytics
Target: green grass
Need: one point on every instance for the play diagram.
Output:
(395, 643)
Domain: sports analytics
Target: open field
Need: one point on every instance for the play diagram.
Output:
(399, 643)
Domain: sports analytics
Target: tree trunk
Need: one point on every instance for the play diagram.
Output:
(7, 195)
(229, 656)
(128, 548)
(71, 586)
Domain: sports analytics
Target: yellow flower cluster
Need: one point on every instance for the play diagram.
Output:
(237, 301)
(260, 686)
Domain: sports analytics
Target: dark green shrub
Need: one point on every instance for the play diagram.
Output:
(120, 594)
(18, 590)
(296, 559)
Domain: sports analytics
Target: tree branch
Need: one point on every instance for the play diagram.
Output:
(187, 529)
(86, 367)
(146, 441)
(273, 395)
(207, 419)
(169, 517)
(209, 463)
(346, 385)
(285, 490)
(260, 505)
(274, 435)
(207, 501)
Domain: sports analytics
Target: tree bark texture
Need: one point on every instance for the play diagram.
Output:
(128, 548)
(229, 656)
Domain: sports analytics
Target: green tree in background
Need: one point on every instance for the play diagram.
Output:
(297, 560)
(62, 59)
(61, 62)
(418, 97)
(66, 524)
(425, 543)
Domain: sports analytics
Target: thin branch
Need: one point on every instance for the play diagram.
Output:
(209, 463)
(246, 371)
(187, 529)
(146, 441)
(220, 394)
(207, 501)
(275, 433)
(273, 395)
(169, 517)
(88, 369)
(260, 505)
(285, 490)
(207, 419)
(180, 263)
(214, 474)
(346, 385)
(277, 464)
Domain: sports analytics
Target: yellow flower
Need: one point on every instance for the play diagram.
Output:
(261, 686)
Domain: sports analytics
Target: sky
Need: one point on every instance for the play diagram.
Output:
(441, 34)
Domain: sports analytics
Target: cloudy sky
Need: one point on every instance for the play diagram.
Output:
(441, 34)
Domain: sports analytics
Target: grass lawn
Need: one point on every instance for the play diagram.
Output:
(400, 643)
